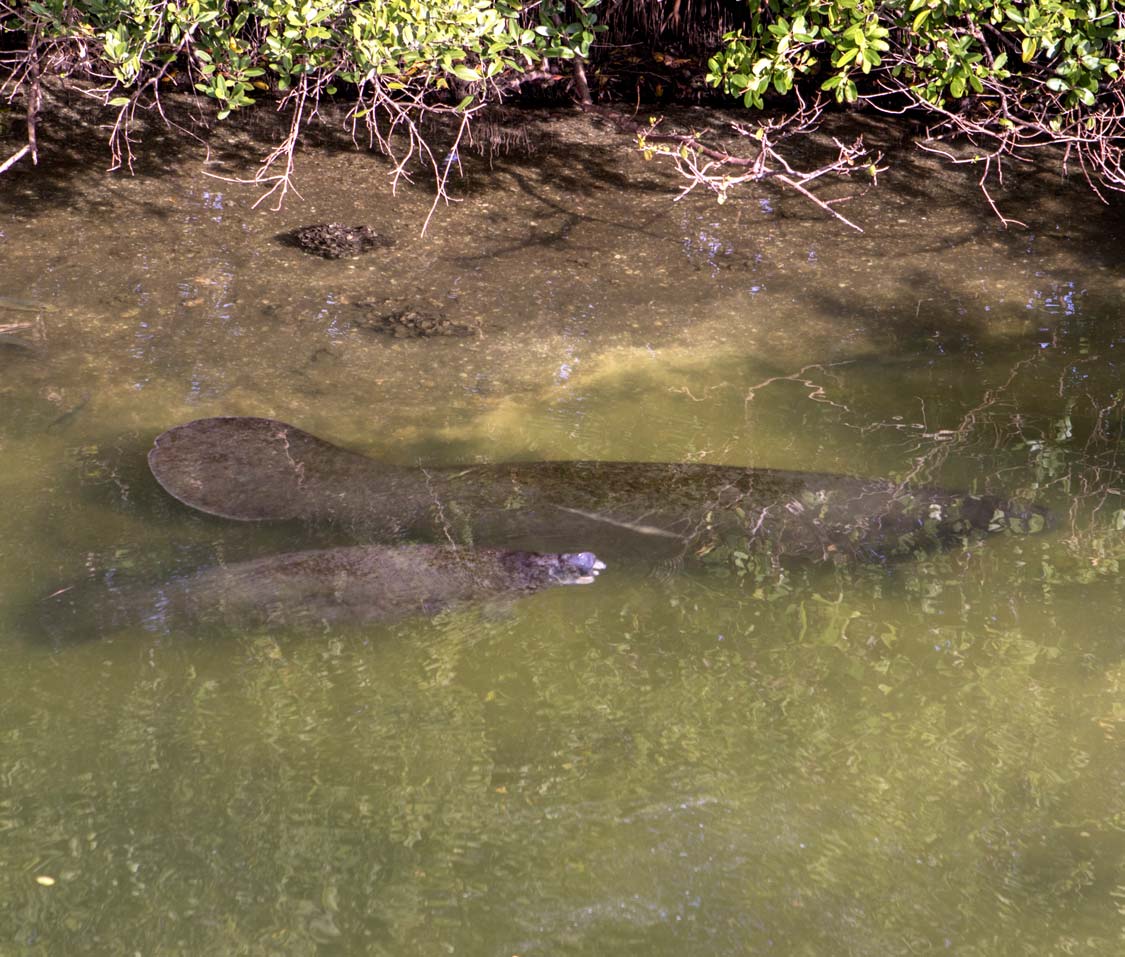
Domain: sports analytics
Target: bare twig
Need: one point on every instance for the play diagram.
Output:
(15, 157)
(34, 95)
(443, 175)
(721, 171)
(581, 87)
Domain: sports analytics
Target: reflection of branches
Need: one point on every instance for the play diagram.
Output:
(817, 392)
(1096, 484)
(1080, 466)
(936, 457)
(941, 442)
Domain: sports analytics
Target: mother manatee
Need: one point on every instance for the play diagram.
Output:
(256, 469)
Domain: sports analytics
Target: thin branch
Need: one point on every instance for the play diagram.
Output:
(15, 158)
(580, 84)
(446, 167)
(34, 94)
(793, 184)
(281, 182)
(687, 149)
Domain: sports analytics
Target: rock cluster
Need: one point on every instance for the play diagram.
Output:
(412, 324)
(334, 241)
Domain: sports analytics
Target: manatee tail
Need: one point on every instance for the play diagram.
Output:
(87, 610)
(253, 469)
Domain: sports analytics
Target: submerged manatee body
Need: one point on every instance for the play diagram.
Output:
(327, 587)
(256, 469)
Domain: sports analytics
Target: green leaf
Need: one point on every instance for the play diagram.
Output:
(466, 73)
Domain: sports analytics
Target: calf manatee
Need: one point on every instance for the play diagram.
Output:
(257, 469)
(313, 590)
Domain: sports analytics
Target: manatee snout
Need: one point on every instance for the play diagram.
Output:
(576, 568)
(1014, 516)
(1030, 519)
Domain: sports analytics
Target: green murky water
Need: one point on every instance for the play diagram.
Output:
(926, 757)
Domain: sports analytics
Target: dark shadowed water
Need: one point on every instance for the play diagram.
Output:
(678, 759)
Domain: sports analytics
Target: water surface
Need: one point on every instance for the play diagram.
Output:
(675, 760)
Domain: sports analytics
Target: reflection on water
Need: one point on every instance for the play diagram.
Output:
(858, 759)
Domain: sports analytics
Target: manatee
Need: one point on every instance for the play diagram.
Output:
(315, 590)
(256, 469)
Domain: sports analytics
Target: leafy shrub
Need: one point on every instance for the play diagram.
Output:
(232, 49)
(938, 50)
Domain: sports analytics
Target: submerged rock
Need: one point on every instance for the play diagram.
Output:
(334, 241)
(260, 469)
(414, 324)
(314, 590)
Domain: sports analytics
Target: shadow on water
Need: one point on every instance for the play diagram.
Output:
(233, 148)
